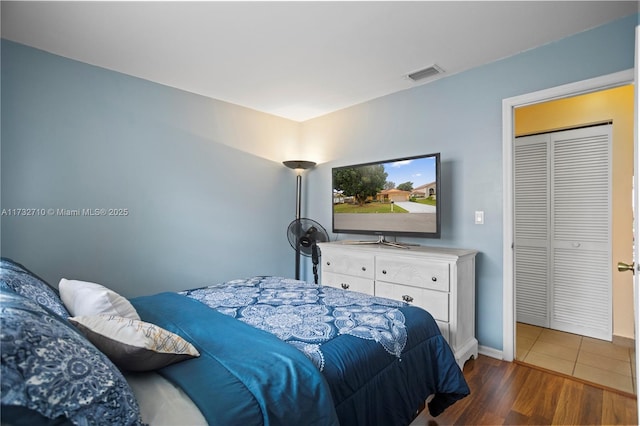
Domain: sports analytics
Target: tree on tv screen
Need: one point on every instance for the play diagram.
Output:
(406, 186)
(360, 182)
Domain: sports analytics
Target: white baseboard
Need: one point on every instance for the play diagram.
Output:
(490, 352)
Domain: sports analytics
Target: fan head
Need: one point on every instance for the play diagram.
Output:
(304, 233)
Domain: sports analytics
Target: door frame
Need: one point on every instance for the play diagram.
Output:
(508, 106)
(636, 207)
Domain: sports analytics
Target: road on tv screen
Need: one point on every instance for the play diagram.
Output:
(414, 222)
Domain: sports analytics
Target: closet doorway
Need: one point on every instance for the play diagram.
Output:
(562, 228)
(584, 293)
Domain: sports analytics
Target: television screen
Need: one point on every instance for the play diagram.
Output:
(393, 197)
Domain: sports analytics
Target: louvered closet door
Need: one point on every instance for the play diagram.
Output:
(581, 231)
(531, 219)
(562, 252)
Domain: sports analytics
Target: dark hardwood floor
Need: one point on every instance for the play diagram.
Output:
(504, 393)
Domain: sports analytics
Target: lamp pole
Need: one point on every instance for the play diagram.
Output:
(299, 166)
(298, 192)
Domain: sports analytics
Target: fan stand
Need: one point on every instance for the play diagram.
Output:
(298, 261)
(315, 259)
(315, 255)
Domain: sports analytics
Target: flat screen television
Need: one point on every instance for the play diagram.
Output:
(396, 197)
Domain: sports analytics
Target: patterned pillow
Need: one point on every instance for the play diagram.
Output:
(134, 345)
(6, 263)
(50, 368)
(19, 279)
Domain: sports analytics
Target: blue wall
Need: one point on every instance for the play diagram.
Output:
(76, 136)
(209, 200)
(461, 117)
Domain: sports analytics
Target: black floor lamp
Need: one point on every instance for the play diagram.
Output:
(299, 166)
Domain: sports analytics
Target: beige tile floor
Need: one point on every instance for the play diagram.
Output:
(588, 359)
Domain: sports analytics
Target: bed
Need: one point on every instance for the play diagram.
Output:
(256, 351)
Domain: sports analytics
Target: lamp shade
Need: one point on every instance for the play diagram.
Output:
(299, 164)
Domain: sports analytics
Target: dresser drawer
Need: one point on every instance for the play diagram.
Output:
(358, 265)
(435, 302)
(348, 282)
(414, 272)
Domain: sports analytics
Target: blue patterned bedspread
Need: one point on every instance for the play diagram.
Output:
(381, 358)
(367, 360)
(306, 315)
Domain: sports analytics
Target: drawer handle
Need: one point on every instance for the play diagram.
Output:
(364, 268)
(328, 263)
(344, 286)
(407, 298)
(384, 271)
(434, 279)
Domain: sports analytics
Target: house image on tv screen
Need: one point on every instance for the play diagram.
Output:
(395, 195)
(425, 191)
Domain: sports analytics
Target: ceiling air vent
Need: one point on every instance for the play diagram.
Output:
(425, 73)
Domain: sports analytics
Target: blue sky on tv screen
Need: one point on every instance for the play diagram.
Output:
(420, 171)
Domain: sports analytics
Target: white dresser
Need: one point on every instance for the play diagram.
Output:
(440, 280)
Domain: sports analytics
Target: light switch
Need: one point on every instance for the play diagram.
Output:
(479, 217)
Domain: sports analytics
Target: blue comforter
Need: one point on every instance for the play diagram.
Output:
(244, 376)
(380, 358)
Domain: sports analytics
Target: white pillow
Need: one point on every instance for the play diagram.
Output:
(85, 298)
(134, 345)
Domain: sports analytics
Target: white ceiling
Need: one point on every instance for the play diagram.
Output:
(297, 60)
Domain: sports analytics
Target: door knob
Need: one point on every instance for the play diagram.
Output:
(622, 267)
(407, 298)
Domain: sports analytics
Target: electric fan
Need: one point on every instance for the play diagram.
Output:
(303, 235)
